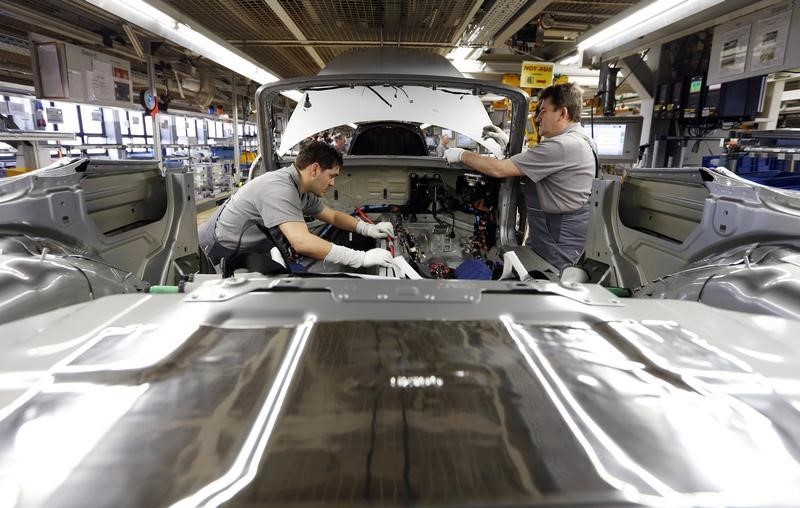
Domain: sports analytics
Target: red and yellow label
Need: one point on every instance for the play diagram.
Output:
(536, 75)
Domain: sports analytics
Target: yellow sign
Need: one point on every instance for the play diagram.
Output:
(562, 80)
(536, 75)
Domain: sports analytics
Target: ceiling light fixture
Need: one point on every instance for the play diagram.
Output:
(134, 40)
(464, 59)
(570, 60)
(153, 16)
(644, 20)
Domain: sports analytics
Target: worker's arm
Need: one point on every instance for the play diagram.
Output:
(348, 223)
(303, 241)
(312, 246)
(338, 219)
(491, 167)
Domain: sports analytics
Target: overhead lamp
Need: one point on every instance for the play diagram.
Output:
(424, 126)
(570, 60)
(134, 40)
(459, 53)
(463, 59)
(152, 16)
(469, 66)
(642, 21)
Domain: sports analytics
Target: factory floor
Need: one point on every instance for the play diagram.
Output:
(205, 215)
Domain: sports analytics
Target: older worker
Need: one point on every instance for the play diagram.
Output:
(559, 173)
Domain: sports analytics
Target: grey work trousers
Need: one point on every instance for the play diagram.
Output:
(559, 238)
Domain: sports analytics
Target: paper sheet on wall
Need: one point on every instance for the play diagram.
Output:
(52, 82)
(101, 67)
(16, 108)
(77, 90)
(733, 54)
(769, 42)
(99, 87)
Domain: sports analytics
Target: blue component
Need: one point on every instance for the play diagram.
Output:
(710, 161)
(296, 267)
(223, 152)
(473, 269)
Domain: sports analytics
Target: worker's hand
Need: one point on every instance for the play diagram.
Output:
(378, 257)
(453, 155)
(496, 133)
(379, 230)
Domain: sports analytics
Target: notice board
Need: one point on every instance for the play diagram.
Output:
(65, 71)
(760, 43)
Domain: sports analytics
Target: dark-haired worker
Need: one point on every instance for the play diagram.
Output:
(267, 213)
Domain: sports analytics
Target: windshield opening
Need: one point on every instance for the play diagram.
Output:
(385, 119)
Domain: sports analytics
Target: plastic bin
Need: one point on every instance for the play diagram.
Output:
(711, 161)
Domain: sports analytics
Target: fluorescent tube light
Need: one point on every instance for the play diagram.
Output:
(460, 53)
(154, 19)
(642, 21)
(570, 60)
(469, 66)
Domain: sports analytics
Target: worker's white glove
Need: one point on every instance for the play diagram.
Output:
(378, 257)
(379, 230)
(453, 155)
(358, 258)
(496, 133)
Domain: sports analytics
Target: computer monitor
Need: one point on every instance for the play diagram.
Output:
(463, 141)
(743, 99)
(617, 137)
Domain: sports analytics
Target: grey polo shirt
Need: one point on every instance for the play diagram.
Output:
(563, 169)
(272, 198)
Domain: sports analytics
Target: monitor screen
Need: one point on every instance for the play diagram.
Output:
(696, 84)
(610, 139)
(617, 137)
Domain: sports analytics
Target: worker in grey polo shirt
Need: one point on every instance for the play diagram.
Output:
(559, 173)
(267, 214)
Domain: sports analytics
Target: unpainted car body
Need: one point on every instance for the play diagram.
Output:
(329, 389)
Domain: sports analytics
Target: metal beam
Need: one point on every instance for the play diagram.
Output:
(151, 77)
(599, 3)
(47, 23)
(15, 45)
(523, 17)
(462, 28)
(241, 18)
(495, 18)
(576, 14)
(287, 20)
(643, 75)
(236, 151)
(133, 38)
(291, 44)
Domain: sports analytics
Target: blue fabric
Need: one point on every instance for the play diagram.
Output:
(473, 269)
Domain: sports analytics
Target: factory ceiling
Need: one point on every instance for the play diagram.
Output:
(295, 38)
